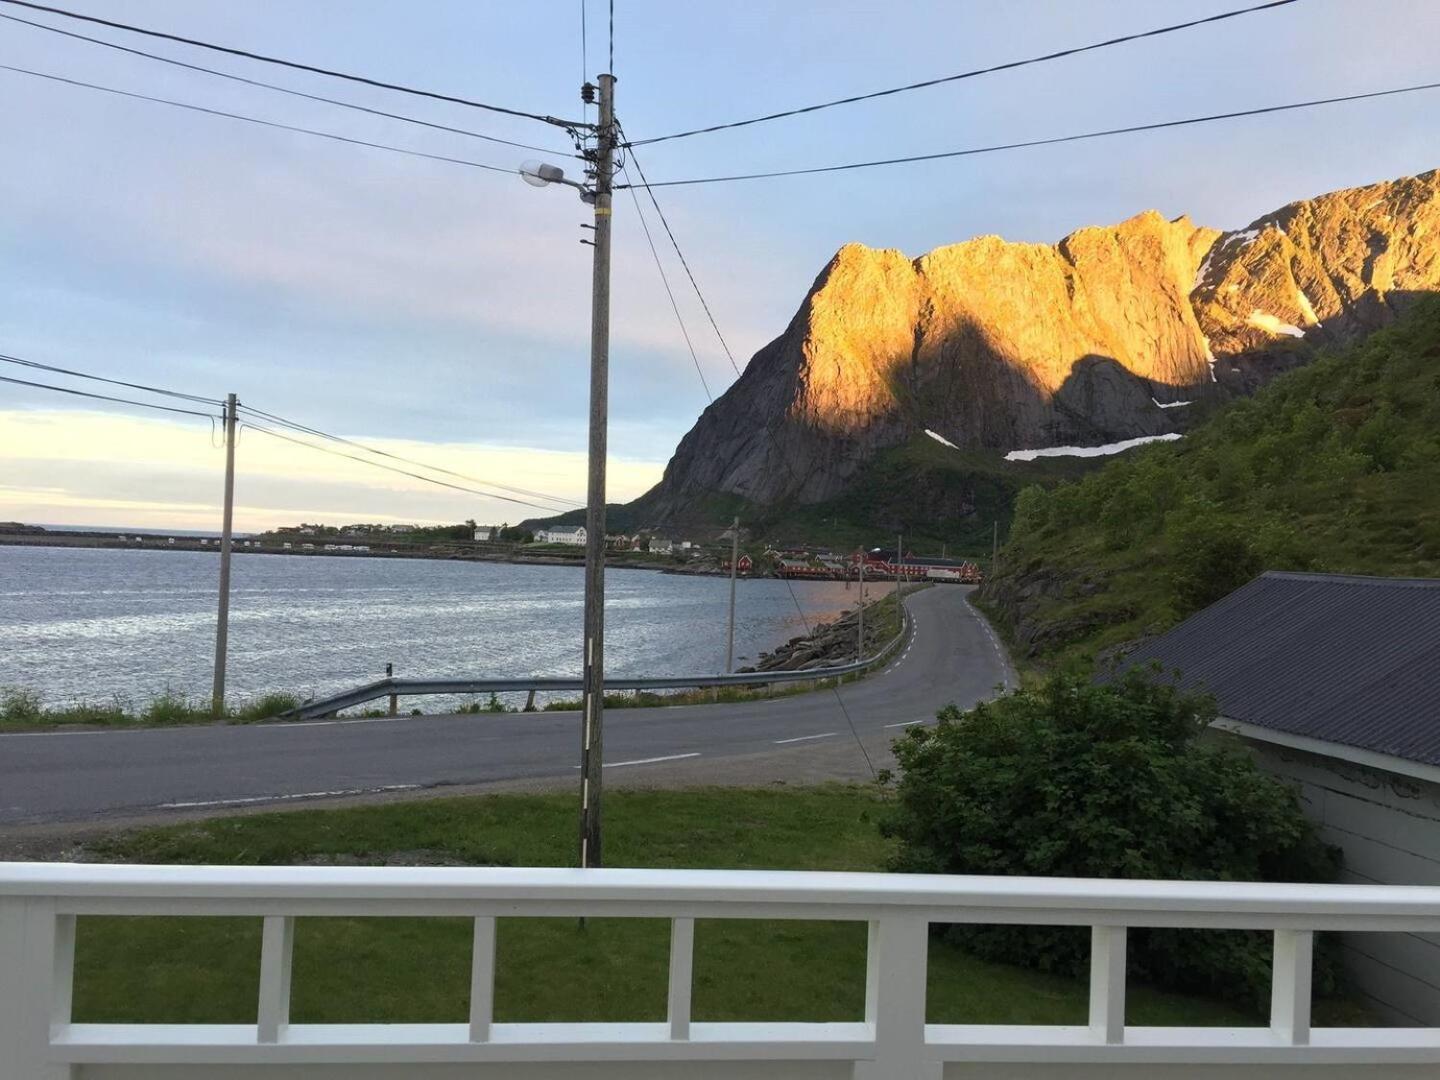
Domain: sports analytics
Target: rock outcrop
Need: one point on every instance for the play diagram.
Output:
(1003, 346)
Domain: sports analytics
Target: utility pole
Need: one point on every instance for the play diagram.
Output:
(222, 625)
(860, 613)
(593, 692)
(734, 569)
(899, 580)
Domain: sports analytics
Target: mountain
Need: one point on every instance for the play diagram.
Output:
(1334, 467)
(996, 346)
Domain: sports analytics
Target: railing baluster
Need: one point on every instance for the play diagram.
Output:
(1290, 979)
(896, 963)
(482, 979)
(277, 950)
(35, 955)
(682, 969)
(1107, 984)
(63, 989)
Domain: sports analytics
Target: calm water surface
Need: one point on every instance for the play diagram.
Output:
(91, 624)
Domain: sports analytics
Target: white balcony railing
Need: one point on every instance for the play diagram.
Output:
(39, 904)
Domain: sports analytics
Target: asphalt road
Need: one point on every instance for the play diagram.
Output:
(94, 775)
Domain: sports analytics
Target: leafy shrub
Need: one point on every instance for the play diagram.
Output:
(265, 707)
(20, 706)
(172, 708)
(1077, 779)
(1209, 559)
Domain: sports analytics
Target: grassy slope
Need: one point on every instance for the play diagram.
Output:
(24, 710)
(931, 493)
(1335, 467)
(206, 970)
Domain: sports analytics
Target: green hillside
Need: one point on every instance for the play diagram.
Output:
(1335, 467)
(935, 495)
(938, 497)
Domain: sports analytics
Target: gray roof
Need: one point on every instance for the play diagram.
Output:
(1352, 660)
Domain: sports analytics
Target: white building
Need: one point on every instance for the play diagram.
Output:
(561, 534)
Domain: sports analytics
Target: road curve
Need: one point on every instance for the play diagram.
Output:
(84, 776)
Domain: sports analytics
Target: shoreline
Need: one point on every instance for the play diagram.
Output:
(159, 543)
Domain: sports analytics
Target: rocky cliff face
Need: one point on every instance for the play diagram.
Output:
(1006, 346)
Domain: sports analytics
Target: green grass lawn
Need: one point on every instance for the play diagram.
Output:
(407, 969)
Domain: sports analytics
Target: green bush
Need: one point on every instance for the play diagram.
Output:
(1077, 779)
(1210, 559)
(20, 706)
(264, 707)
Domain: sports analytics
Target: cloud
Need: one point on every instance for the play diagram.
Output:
(77, 467)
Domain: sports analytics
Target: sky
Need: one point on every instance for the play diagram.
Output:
(441, 312)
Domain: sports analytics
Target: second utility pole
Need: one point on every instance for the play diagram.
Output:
(222, 623)
(734, 569)
(593, 692)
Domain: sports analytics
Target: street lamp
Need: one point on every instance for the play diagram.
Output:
(542, 174)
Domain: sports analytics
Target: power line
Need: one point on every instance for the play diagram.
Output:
(390, 468)
(565, 504)
(644, 183)
(253, 119)
(298, 66)
(1046, 142)
(274, 86)
(784, 460)
(106, 397)
(113, 382)
(665, 280)
(967, 74)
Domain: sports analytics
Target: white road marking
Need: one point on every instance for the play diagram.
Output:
(906, 723)
(646, 761)
(52, 734)
(200, 727)
(805, 738)
(281, 798)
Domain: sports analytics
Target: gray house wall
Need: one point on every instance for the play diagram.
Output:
(1388, 826)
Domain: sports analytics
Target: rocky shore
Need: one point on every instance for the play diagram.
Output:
(834, 643)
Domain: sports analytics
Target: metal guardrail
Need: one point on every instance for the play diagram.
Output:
(393, 687)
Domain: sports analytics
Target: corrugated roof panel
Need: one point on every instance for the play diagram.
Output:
(1353, 660)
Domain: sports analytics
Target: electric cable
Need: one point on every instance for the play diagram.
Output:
(565, 505)
(1212, 118)
(783, 458)
(253, 119)
(107, 397)
(683, 261)
(1010, 65)
(675, 307)
(297, 65)
(113, 382)
(280, 89)
(390, 468)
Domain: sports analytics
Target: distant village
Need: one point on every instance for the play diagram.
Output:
(562, 544)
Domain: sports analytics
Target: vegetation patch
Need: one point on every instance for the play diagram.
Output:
(1333, 467)
(131, 970)
(1076, 779)
(24, 710)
